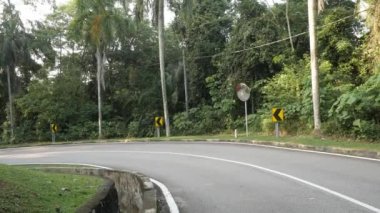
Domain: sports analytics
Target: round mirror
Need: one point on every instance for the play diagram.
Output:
(243, 92)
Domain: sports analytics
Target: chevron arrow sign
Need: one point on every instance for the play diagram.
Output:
(278, 115)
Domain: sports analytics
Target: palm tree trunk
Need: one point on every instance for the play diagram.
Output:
(312, 9)
(98, 76)
(185, 82)
(162, 63)
(288, 23)
(10, 103)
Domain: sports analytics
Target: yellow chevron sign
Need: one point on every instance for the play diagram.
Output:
(54, 128)
(159, 122)
(278, 115)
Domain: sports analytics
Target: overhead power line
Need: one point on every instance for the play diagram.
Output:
(279, 41)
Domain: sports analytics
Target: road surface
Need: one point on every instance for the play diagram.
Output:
(231, 178)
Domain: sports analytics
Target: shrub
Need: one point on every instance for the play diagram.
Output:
(202, 120)
(358, 111)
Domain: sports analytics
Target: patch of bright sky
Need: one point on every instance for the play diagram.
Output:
(38, 13)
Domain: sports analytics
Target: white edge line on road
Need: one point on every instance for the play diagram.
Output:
(332, 192)
(225, 142)
(263, 145)
(322, 188)
(173, 208)
(287, 148)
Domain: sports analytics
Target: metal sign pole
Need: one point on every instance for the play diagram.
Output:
(243, 93)
(277, 129)
(158, 132)
(53, 137)
(246, 119)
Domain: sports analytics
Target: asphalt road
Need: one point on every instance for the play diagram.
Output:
(232, 178)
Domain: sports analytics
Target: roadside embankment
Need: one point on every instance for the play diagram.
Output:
(135, 192)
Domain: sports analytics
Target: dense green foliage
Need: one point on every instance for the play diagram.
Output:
(54, 76)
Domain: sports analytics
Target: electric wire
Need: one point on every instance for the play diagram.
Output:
(281, 40)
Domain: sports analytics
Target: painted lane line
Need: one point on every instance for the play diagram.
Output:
(327, 190)
(313, 185)
(298, 150)
(211, 142)
(322, 188)
(173, 208)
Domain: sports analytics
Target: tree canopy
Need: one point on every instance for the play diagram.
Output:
(95, 64)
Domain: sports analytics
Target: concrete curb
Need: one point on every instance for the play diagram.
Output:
(105, 200)
(334, 150)
(135, 192)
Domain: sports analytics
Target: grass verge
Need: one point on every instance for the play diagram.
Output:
(28, 190)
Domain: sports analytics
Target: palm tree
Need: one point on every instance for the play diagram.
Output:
(373, 18)
(312, 12)
(14, 50)
(96, 21)
(161, 43)
(288, 24)
(158, 11)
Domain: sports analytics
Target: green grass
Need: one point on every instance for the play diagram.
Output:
(303, 139)
(28, 190)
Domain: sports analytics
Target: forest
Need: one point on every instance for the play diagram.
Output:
(107, 68)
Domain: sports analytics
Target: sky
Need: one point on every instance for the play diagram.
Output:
(30, 13)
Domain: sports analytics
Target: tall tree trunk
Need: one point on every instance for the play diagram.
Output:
(288, 23)
(185, 82)
(10, 103)
(99, 61)
(312, 10)
(162, 63)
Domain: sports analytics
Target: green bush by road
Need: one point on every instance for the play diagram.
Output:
(28, 190)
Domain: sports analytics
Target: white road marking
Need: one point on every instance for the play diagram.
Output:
(173, 208)
(327, 190)
(209, 142)
(299, 150)
(322, 188)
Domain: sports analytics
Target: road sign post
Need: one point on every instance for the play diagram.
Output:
(53, 137)
(243, 92)
(278, 115)
(277, 127)
(246, 119)
(158, 132)
(54, 130)
(158, 123)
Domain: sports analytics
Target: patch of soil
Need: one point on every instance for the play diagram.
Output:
(3, 184)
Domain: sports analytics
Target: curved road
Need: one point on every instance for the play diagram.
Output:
(224, 177)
